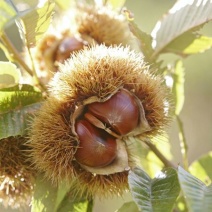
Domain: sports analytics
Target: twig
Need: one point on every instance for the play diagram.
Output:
(15, 56)
(183, 143)
(163, 159)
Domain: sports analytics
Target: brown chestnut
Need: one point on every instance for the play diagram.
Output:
(120, 112)
(66, 47)
(97, 148)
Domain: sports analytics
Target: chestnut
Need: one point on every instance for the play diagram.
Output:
(97, 148)
(66, 47)
(120, 112)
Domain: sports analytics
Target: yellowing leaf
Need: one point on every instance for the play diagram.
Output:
(178, 86)
(116, 4)
(36, 23)
(189, 43)
(65, 4)
(201, 168)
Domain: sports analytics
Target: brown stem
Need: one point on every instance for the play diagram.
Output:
(156, 151)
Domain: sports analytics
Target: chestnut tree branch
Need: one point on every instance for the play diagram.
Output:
(157, 152)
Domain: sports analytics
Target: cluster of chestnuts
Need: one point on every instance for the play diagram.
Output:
(90, 25)
(102, 124)
(100, 97)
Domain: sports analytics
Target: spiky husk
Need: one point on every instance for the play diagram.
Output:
(90, 24)
(98, 71)
(104, 25)
(16, 175)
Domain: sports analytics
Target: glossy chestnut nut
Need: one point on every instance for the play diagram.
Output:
(120, 112)
(66, 47)
(97, 148)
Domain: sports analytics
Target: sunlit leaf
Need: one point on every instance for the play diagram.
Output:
(128, 206)
(16, 122)
(198, 195)
(178, 86)
(116, 3)
(189, 43)
(16, 107)
(45, 194)
(7, 13)
(182, 17)
(49, 198)
(61, 193)
(180, 204)
(70, 205)
(18, 96)
(9, 74)
(65, 4)
(158, 194)
(36, 23)
(202, 168)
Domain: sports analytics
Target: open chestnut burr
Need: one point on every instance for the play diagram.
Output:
(100, 124)
(99, 101)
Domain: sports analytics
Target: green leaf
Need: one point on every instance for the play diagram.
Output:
(158, 194)
(178, 86)
(201, 168)
(198, 195)
(71, 205)
(36, 23)
(7, 13)
(189, 43)
(182, 17)
(16, 97)
(16, 122)
(9, 74)
(145, 45)
(45, 194)
(49, 198)
(116, 4)
(145, 41)
(61, 193)
(180, 204)
(128, 206)
(20, 87)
